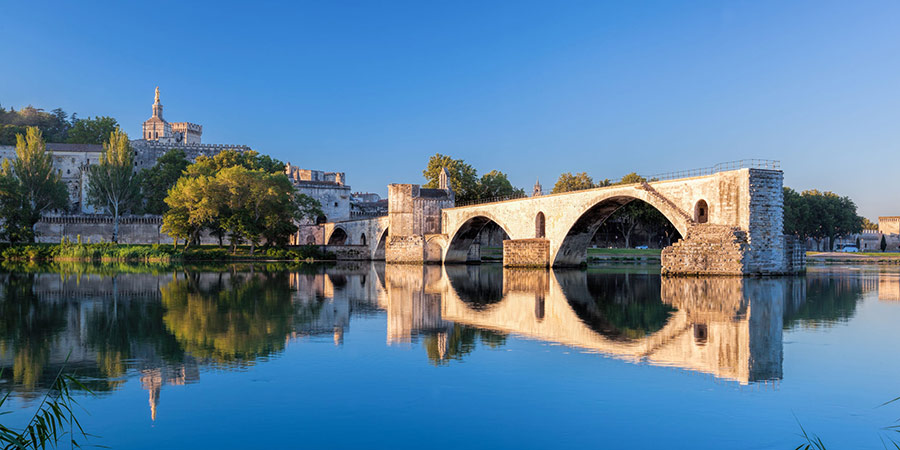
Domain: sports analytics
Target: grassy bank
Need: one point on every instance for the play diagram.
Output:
(859, 258)
(154, 253)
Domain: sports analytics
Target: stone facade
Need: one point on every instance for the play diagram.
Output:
(99, 228)
(157, 129)
(408, 249)
(72, 161)
(889, 225)
(328, 188)
(413, 214)
(526, 253)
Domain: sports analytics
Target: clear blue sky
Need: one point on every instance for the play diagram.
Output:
(530, 88)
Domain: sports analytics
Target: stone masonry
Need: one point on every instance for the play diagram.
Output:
(526, 253)
(708, 250)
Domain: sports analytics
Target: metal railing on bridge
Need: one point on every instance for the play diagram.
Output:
(767, 164)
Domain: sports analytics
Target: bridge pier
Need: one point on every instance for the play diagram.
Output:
(526, 253)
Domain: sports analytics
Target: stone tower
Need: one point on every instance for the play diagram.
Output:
(444, 179)
(156, 127)
(538, 189)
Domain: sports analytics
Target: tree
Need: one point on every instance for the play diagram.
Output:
(157, 180)
(463, 177)
(92, 131)
(883, 244)
(247, 204)
(112, 184)
(15, 228)
(819, 215)
(869, 225)
(496, 184)
(251, 160)
(29, 187)
(53, 125)
(568, 182)
(194, 203)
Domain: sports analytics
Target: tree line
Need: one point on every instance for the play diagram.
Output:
(465, 182)
(56, 126)
(244, 196)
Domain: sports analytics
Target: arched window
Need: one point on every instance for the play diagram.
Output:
(362, 239)
(539, 225)
(701, 212)
(321, 219)
(310, 240)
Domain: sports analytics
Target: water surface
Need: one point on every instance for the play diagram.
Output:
(371, 355)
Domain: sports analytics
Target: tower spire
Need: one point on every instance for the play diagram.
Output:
(157, 106)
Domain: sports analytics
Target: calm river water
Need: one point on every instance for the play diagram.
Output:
(364, 355)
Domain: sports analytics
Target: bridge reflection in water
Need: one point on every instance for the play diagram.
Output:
(725, 326)
(163, 328)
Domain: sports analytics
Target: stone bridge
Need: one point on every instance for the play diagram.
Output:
(731, 223)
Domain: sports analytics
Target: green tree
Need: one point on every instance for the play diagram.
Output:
(463, 177)
(53, 125)
(496, 184)
(249, 204)
(819, 215)
(92, 131)
(157, 180)
(29, 187)
(194, 204)
(250, 160)
(568, 182)
(112, 184)
(869, 225)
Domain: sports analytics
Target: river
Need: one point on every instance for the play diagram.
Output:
(368, 355)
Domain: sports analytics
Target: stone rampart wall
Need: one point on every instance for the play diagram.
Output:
(99, 228)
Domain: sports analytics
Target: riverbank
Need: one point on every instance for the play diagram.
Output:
(109, 252)
(859, 258)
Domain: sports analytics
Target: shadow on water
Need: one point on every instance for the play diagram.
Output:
(164, 325)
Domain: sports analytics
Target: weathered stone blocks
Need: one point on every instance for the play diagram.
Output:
(526, 253)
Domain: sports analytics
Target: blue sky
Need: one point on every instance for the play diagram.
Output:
(529, 88)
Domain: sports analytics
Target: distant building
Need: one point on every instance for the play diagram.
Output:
(71, 161)
(157, 129)
(367, 204)
(328, 188)
(889, 225)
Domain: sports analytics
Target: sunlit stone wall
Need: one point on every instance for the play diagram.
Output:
(526, 253)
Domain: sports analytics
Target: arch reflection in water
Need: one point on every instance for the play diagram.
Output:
(727, 327)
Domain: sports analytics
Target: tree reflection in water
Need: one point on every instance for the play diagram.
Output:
(458, 341)
(163, 325)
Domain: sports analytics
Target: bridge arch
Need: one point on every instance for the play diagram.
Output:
(575, 237)
(463, 237)
(378, 253)
(338, 237)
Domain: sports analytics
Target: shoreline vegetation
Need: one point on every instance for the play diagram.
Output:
(157, 253)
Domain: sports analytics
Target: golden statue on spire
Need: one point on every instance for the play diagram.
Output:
(157, 95)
